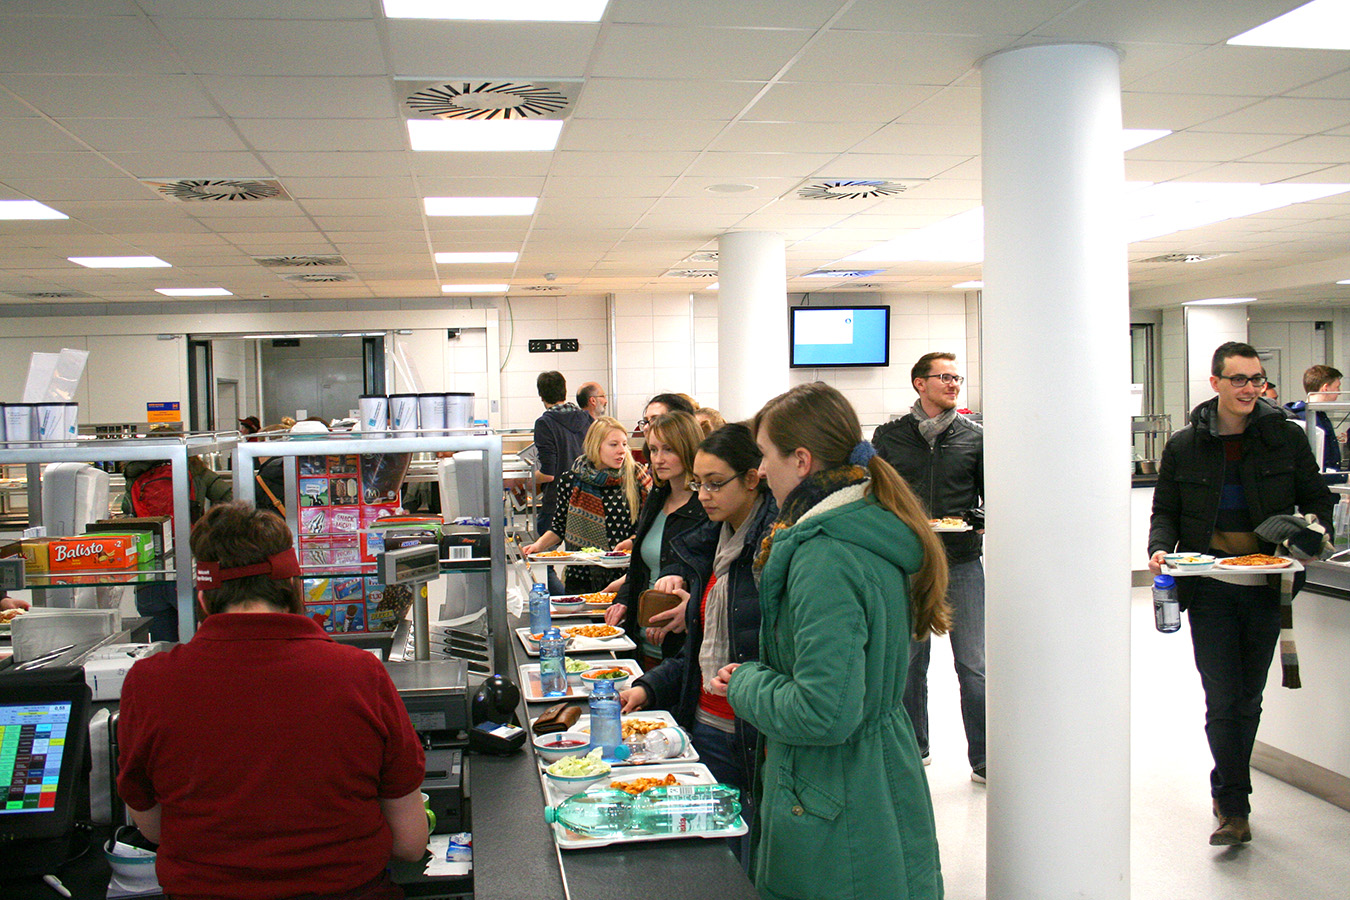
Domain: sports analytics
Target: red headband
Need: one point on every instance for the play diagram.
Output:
(278, 567)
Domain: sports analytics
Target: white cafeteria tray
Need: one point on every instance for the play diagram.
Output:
(589, 611)
(687, 773)
(584, 559)
(658, 715)
(529, 681)
(1177, 571)
(620, 641)
(949, 529)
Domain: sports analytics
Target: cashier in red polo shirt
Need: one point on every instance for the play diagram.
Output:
(267, 760)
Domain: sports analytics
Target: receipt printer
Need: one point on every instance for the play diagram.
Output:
(106, 668)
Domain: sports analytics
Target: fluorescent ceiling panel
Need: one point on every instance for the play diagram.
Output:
(969, 286)
(1151, 210)
(500, 11)
(1138, 137)
(455, 258)
(1319, 25)
(474, 288)
(494, 135)
(193, 292)
(1221, 301)
(120, 262)
(28, 209)
(480, 206)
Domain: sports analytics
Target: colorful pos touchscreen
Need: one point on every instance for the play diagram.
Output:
(42, 744)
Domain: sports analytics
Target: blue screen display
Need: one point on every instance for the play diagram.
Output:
(840, 336)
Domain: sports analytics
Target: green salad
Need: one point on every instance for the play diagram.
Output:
(577, 666)
(578, 766)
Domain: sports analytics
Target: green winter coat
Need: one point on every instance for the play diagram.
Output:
(844, 808)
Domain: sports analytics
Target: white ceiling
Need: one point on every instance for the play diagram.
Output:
(675, 96)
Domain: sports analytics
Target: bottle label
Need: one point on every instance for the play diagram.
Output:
(682, 791)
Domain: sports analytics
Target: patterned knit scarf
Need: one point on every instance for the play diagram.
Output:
(586, 505)
(930, 428)
(812, 490)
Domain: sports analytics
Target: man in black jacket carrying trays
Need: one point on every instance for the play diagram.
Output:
(941, 454)
(1228, 485)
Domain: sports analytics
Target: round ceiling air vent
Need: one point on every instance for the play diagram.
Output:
(541, 288)
(218, 189)
(489, 100)
(295, 262)
(318, 278)
(850, 188)
(691, 273)
(1182, 257)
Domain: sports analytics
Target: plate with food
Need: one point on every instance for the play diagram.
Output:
(530, 688)
(1258, 562)
(949, 523)
(682, 773)
(634, 726)
(1187, 563)
(552, 556)
(576, 605)
(581, 643)
(7, 617)
(600, 598)
(599, 631)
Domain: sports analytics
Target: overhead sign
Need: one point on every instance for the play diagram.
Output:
(163, 412)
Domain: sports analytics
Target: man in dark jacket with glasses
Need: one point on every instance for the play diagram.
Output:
(1224, 480)
(941, 454)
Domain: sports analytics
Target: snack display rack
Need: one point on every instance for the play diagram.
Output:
(346, 445)
(176, 449)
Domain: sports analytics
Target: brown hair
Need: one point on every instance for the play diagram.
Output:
(1315, 377)
(709, 419)
(925, 364)
(682, 432)
(595, 436)
(819, 418)
(236, 534)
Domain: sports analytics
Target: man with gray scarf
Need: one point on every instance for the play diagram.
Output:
(941, 454)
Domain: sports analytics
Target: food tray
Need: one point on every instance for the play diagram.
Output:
(950, 529)
(1218, 568)
(589, 611)
(687, 773)
(530, 688)
(656, 715)
(620, 641)
(584, 559)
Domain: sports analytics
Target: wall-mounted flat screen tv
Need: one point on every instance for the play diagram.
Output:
(840, 336)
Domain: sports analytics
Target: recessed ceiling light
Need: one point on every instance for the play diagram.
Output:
(730, 188)
(500, 11)
(477, 257)
(494, 135)
(1319, 25)
(193, 292)
(474, 288)
(1138, 137)
(120, 262)
(1221, 301)
(711, 287)
(28, 209)
(480, 206)
(1347, 281)
(969, 286)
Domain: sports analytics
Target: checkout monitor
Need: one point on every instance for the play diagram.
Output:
(43, 730)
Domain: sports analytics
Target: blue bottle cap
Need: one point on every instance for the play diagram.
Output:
(1164, 581)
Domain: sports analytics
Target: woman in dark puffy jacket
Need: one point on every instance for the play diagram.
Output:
(723, 621)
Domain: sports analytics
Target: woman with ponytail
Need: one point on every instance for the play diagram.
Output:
(848, 574)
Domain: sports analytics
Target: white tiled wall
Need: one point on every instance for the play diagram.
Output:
(1206, 328)
(523, 319)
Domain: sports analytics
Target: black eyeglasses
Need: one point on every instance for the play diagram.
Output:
(643, 423)
(712, 487)
(1240, 381)
(947, 378)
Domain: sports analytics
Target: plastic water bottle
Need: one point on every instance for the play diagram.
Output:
(1166, 609)
(606, 730)
(595, 813)
(541, 608)
(553, 663)
(681, 809)
(686, 808)
(663, 743)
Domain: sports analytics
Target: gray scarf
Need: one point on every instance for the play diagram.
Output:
(716, 651)
(931, 428)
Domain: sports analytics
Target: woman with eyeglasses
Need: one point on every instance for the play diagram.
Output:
(658, 406)
(670, 511)
(723, 624)
(598, 502)
(850, 573)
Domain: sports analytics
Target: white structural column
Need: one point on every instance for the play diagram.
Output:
(1056, 373)
(752, 331)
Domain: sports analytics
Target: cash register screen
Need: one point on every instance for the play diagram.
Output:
(32, 746)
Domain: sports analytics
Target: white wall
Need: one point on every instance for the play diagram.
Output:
(1292, 330)
(523, 319)
(1206, 328)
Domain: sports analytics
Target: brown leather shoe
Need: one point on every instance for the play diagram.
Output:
(1232, 830)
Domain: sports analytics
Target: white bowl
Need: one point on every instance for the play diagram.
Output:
(545, 749)
(575, 784)
(589, 680)
(1194, 561)
(576, 605)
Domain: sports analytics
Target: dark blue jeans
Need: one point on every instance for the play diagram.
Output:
(721, 753)
(160, 603)
(965, 593)
(1234, 630)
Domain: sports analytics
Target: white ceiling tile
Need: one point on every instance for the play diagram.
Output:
(604, 134)
(325, 209)
(1193, 146)
(487, 164)
(328, 97)
(275, 46)
(1260, 173)
(55, 191)
(125, 44)
(923, 139)
(1161, 170)
(620, 185)
(311, 135)
(1336, 87)
(891, 165)
(1245, 71)
(704, 53)
(621, 163)
(1283, 115)
(954, 17)
(803, 137)
(518, 51)
(1176, 111)
(698, 13)
(789, 101)
(877, 58)
(1173, 22)
(36, 135)
(698, 187)
(113, 96)
(350, 188)
(158, 163)
(277, 9)
(337, 163)
(652, 100)
(212, 135)
(731, 166)
(1320, 149)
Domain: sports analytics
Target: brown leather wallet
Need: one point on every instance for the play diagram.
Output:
(558, 717)
(652, 602)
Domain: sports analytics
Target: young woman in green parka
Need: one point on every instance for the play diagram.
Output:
(850, 571)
